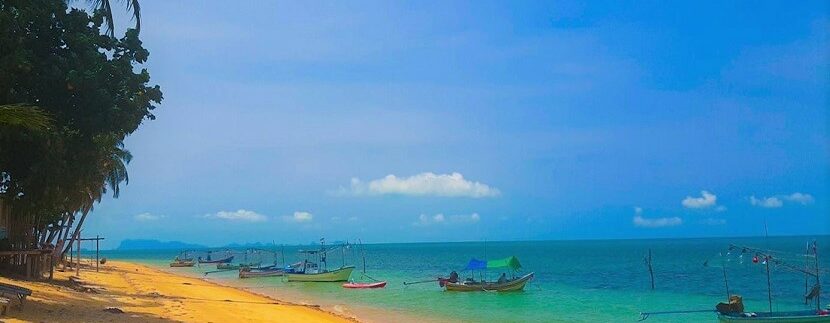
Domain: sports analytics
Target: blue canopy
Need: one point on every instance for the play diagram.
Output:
(476, 264)
(509, 262)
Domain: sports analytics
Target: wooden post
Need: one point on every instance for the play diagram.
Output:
(97, 237)
(28, 261)
(78, 268)
(650, 269)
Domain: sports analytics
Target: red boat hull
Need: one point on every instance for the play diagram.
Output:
(365, 285)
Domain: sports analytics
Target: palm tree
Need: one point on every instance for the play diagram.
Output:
(112, 171)
(106, 8)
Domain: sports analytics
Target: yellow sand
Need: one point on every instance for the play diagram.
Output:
(151, 295)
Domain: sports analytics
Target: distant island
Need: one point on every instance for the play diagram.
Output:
(149, 244)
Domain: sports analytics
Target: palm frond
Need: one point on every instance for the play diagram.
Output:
(25, 116)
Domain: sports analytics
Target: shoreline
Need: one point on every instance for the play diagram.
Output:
(147, 294)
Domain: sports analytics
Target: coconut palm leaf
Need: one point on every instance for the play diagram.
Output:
(25, 116)
(106, 8)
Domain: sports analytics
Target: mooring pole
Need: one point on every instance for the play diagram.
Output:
(78, 265)
(818, 273)
(97, 239)
(725, 280)
(650, 269)
(769, 285)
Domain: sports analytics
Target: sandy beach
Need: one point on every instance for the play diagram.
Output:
(145, 294)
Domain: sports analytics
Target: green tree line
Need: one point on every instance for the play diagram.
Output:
(70, 93)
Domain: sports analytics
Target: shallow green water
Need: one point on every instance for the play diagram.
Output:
(575, 281)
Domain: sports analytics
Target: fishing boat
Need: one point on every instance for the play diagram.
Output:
(230, 266)
(808, 316)
(364, 285)
(312, 275)
(182, 263)
(260, 272)
(504, 284)
(308, 271)
(511, 285)
(182, 260)
(227, 259)
(355, 285)
(733, 310)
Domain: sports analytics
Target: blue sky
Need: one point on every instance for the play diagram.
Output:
(502, 121)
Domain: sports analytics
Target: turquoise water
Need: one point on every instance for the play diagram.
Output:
(575, 281)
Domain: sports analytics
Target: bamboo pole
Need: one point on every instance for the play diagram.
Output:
(650, 269)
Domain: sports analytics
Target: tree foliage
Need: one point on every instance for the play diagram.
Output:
(88, 85)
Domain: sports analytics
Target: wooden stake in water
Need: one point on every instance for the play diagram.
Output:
(766, 262)
(650, 269)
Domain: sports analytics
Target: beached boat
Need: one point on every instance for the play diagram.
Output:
(256, 272)
(182, 263)
(216, 261)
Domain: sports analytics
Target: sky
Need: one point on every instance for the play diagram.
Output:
(394, 121)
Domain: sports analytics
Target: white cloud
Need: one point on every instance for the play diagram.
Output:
(423, 184)
(147, 217)
(300, 216)
(425, 220)
(238, 215)
(802, 198)
(778, 200)
(642, 222)
(768, 202)
(706, 200)
(656, 222)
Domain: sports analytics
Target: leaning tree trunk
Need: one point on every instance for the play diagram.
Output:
(68, 219)
(77, 231)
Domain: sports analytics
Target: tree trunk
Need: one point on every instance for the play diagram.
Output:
(77, 229)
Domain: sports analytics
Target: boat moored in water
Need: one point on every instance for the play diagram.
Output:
(509, 285)
(260, 272)
(503, 284)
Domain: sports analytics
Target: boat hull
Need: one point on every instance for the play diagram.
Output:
(338, 275)
(511, 286)
(260, 273)
(235, 266)
(779, 317)
(364, 285)
(218, 261)
(182, 264)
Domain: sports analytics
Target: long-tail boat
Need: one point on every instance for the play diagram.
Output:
(182, 260)
(182, 263)
(364, 285)
(230, 266)
(227, 259)
(733, 310)
(260, 272)
(308, 271)
(504, 284)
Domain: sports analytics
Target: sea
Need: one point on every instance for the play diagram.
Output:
(574, 281)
